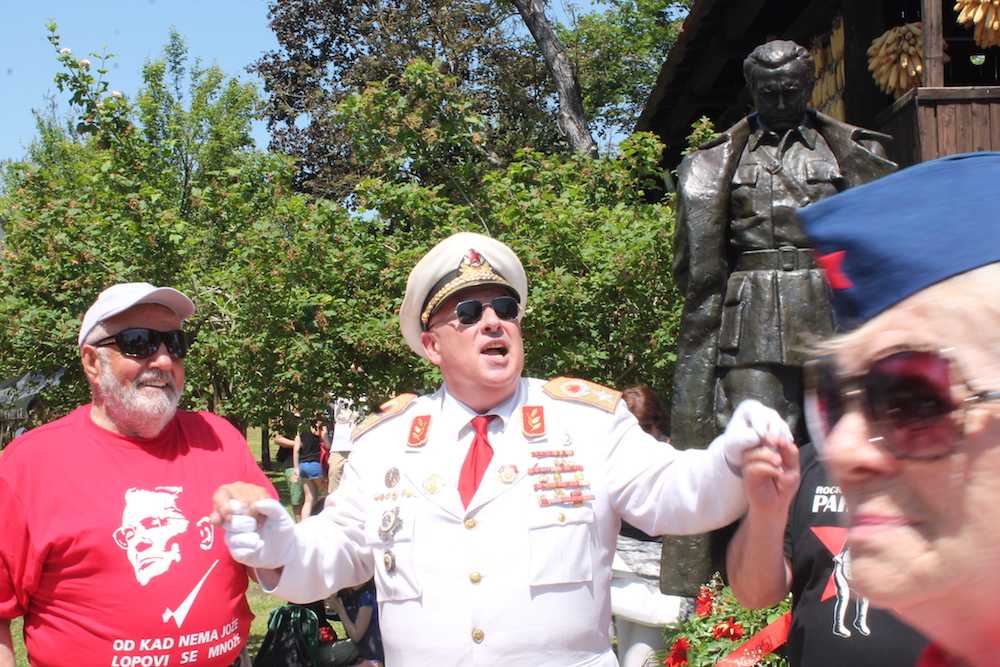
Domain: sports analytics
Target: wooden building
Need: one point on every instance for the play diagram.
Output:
(954, 109)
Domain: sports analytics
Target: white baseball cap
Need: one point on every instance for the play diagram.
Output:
(460, 261)
(119, 298)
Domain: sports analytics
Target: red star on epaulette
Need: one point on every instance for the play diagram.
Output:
(832, 264)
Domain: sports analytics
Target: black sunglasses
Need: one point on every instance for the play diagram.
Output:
(140, 342)
(906, 396)
(470, 312)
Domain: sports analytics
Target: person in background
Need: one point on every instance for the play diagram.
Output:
(285, 459)
(639, 609)
(120, 563)
(488, 511)
(903, 404)
(645, 404)
(357, 609)
(340, 442)
(307, 452)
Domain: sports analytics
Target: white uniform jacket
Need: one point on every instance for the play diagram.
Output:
(521, 577)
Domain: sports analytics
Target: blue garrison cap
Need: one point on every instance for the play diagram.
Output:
(884, 241)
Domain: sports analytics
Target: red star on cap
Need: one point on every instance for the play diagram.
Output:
(834, 273)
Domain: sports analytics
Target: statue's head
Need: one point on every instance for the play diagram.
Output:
(780, 75)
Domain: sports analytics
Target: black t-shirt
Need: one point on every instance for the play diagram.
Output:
(310, 450)
(828, 630)
(284, 456)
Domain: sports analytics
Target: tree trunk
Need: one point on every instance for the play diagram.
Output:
(572, 119)
(265, 448)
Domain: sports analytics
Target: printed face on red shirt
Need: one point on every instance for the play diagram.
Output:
(151, 523)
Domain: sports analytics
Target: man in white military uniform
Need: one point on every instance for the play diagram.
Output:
(514, 569)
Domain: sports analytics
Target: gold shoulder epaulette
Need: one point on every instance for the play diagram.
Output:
(584, 391)
(390, 408)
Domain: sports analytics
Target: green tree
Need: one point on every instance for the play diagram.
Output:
(598, 256)
(167, 189)
(539, 89)
(331, 49)
(298, 297)
(619, 49)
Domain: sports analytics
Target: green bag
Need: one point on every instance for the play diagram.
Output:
(292, 639)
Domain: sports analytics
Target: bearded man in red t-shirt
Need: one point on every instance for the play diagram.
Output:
(108, 552)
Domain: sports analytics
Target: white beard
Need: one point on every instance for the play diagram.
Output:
(137, 413)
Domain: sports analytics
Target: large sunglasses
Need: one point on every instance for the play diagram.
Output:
(906, 396)
(470, 312)
(140, 342)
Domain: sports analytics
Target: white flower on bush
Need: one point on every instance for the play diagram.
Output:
(116, 94)
(65, 50)
(84, 63)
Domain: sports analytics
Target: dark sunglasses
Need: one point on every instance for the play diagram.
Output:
(470, 312)
(140, 342)
(906, 396)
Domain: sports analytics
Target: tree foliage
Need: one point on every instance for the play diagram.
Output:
(332, 49)
(298, 297)
(167, 190)
(619, 49)
(598, 257)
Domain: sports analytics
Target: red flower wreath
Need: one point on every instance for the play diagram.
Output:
(678, 653)
(728, 630)
(703, 604)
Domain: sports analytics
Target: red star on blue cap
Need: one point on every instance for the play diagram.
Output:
(833, 264)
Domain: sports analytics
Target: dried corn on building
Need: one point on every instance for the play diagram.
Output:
(904, 67)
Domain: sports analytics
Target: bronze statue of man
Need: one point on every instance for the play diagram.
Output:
(753, 291)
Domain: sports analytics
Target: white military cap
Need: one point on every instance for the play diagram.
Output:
(460, 261)
(119, 298)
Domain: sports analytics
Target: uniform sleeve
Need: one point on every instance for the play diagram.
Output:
(19, 565)
(331, 551)
(665, 491)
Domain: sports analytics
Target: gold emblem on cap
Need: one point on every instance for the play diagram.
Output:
(473, 269)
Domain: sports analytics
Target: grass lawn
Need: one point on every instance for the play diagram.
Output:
(260, 602)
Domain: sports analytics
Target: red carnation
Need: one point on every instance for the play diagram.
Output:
(703, 605)
(678, 653)
(728, 630)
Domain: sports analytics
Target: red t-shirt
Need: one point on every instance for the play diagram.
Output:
(106, 546)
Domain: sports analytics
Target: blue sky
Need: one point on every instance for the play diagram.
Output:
(229, 33)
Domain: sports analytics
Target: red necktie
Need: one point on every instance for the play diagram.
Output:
(476, 461)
